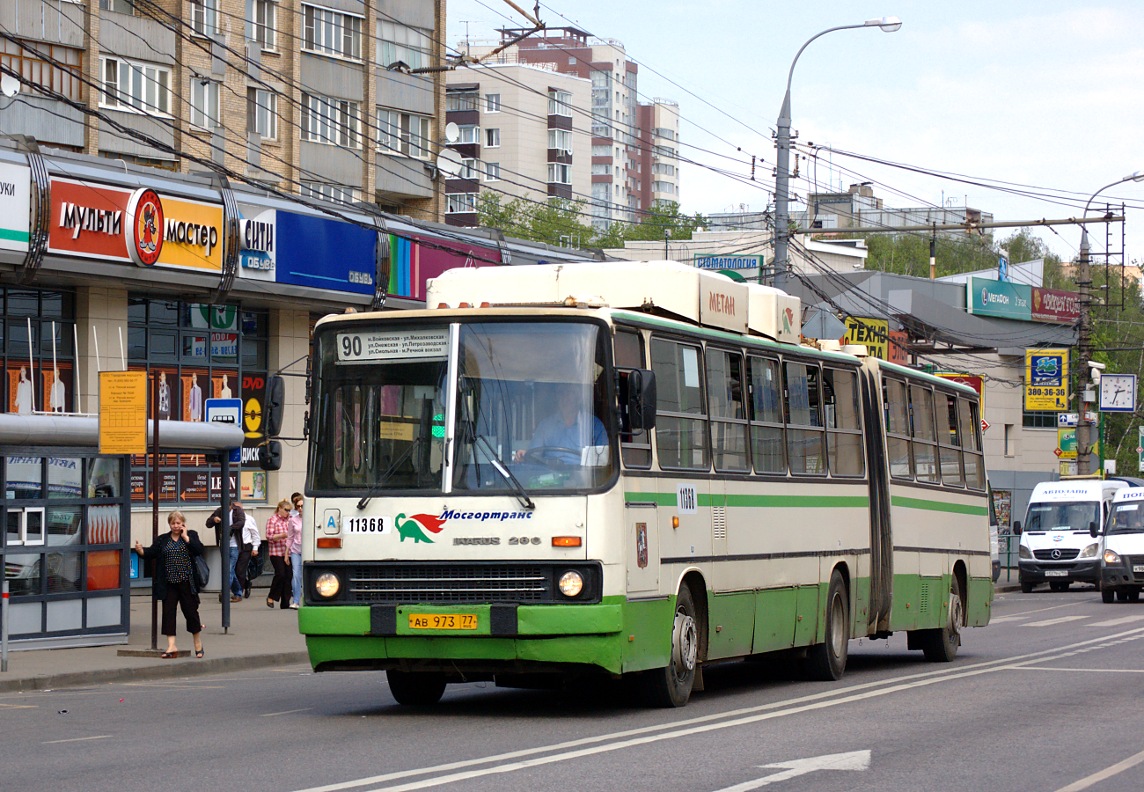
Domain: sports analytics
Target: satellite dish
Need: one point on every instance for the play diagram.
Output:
(450, 163)
(9, 85)
(452, 132)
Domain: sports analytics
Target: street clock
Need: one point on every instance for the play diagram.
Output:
(1118, 393)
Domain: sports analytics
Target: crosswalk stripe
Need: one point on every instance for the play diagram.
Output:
(1051, 622)
(1118, 622)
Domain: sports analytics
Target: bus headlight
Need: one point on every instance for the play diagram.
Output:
(1111, 557)
(327, 585)
(571, 583)
(1088, 552)
(1023, 552)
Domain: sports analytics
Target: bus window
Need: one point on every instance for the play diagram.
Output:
(843, 423)
(680, 426)
(922, 434)
(804, 419)
(970, 423)
(728, 418)
(948, 440)
(635, 450)
(897, 428)
(768, 444)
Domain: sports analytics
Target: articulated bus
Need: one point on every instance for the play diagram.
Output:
(630, 469)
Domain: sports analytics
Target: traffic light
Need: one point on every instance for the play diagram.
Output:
(271, 456)
(275, 405)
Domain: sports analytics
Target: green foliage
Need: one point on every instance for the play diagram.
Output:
(908, 254)
(663, 216)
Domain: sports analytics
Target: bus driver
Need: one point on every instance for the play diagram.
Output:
(567, 430)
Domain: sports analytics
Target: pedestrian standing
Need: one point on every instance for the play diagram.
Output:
(173, 580)
(277, 533)
(294, 547)
(246, 544)
(232, 534)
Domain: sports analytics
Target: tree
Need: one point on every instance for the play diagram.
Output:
(662, 216)
(556, 221)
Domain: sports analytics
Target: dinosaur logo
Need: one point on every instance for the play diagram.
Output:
(414, 528)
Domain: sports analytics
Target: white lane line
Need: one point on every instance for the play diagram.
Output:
(1117, 622)
(284, 712)
(19, 706)
(1104, 774)
(1085, 670)
(574, 749)
(79, 739)
(1051, 622)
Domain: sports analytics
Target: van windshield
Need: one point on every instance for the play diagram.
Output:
(1126, 518)
(1062, 516)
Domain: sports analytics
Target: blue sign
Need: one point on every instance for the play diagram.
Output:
(228, 412)
(324, 253)
(716, 262)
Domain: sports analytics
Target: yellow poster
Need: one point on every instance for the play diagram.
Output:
(1046, 379)
(873, 333)
(123, 412)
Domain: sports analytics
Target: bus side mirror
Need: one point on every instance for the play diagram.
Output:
(641, 399)
(1016, 527)
(275, 405)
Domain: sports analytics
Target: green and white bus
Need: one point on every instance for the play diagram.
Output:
(627, 469)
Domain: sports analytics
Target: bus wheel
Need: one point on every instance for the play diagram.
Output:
(1107, 595)
(827, 661)
(416, 689)
(940, 646)
(671, 686)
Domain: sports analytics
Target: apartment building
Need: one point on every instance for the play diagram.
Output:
(518, 130)
(635, 145)
(323, 99)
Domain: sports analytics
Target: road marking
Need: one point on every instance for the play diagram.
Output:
(18, 706)
(284, 712)
(1051, 622)
(1085, 670)
(588, 746)
(1117, 622)
(1104, 774)
(78, 739)
(853, 760)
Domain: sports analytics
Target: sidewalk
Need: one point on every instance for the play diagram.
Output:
(258, 637)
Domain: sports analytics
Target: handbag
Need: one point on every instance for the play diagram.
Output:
(202, 572)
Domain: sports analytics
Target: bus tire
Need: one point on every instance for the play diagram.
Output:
(671, 685)
(415, 689)
(1107, 595)
(941, 645)
(826, 661)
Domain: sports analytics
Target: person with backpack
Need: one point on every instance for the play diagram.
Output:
(233, 533)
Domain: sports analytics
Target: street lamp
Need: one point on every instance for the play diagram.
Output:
(1084, 333)
(782, 174)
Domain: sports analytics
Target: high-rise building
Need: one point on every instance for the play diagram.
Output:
(319, 100)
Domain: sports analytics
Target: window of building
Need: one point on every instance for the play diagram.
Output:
(401, 43)
(663, 187)
(333, 121)
(204, 17)
(601, 151)
(469, 133)
(559, 102)
(135, 85)
(456, 203)
(1038, 419)
(492, 138)
(469, 169)
(559, 173)
(560, 139)
(492, 103)
(57, 69)
(204, 103)
(331, 32)
(32, 383)
(492, 171)
(404, 133)
(601, 169)
(262, 113)
(324, 191)
(261, 21)
(461, 100)
(118, 6)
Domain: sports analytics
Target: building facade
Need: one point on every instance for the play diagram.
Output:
(320, 100)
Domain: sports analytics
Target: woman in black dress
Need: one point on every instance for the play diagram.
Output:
(173, 581)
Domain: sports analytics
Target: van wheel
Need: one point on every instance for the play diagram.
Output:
(826, 661)
(1107, 595)
(671, 685)
(1027, 588)
(1121, 595)
(1059, 586)
(1133, 595)
(415, 689)
(941, 645)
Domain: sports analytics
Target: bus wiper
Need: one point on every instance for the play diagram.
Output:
(361, 504)
(500, 467)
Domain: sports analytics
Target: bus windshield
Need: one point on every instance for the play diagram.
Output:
(527, 411)
(1064, 516)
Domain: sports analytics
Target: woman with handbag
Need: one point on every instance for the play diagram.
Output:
(173, 580)
(277, 533)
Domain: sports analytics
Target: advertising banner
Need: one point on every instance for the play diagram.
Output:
(1058, 307)
(1046, 379)
(323, 253)
(15, 206)
(714, 261)
(1002, 299)
(257, 251)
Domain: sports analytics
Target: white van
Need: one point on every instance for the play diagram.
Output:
(1057, 544)
(1122, 559)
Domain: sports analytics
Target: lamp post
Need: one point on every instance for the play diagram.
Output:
(782, 174)
(1084, 332)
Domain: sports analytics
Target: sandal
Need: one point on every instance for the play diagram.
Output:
(199, 654)
(170, 655)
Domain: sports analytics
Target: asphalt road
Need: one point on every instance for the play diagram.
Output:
(1048, 697)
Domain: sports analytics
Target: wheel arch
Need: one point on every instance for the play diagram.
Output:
(693, 579)
(961, 573)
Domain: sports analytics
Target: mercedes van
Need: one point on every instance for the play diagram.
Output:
(1057, 538)
(1122, 541)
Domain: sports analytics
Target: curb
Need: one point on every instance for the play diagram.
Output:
(192, 667)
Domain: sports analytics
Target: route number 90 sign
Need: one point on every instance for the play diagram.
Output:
(396, 345)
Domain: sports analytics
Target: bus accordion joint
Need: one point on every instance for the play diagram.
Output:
(329, 542)
(566, 541)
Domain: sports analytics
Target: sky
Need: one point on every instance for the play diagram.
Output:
(1020, 108)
